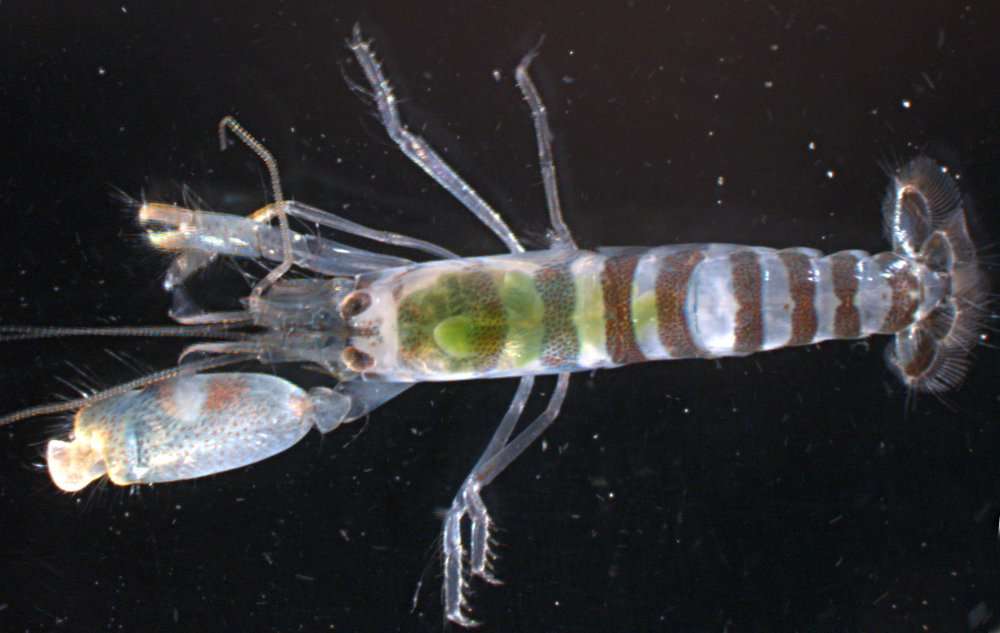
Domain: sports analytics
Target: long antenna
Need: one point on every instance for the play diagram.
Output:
(34, 332)
(143, 381)
(230, 123)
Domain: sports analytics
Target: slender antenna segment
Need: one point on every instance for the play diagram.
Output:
(35, 332)
(144, 381)
(230, 123)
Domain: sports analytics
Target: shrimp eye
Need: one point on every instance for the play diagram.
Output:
(354, 304)
(356, 360)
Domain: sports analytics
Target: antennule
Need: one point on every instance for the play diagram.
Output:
(277, 209)
(230, 123)
(34, 332)
(186, 369)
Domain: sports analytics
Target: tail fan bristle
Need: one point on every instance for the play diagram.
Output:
(925, 219)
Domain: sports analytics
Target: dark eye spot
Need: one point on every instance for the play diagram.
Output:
(356, 360)
(354, 304)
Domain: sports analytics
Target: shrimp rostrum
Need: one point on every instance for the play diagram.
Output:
(375, 324)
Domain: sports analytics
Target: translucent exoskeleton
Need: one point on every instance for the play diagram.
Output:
(375, 324)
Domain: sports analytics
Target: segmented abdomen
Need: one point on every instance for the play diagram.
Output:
(724, 300)
(553, 311)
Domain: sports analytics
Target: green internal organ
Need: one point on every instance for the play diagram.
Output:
(524, 310)
(456, 335)
(588, 313)
(643, 312)
(478, 319)
(560, 342)
(472, 321)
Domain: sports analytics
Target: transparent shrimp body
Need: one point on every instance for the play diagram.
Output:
(374, 324)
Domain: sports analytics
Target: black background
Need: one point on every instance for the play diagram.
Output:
(790, 491)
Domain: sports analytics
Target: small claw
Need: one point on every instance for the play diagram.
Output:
(463, 620)
(458, 614)
(487, 574)
(483, 562)
(356, 40)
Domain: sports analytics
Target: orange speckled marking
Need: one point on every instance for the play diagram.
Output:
(223, 393)
(747, 286)
(671, 294)
(905, 288)
(802, 288)
(616, 283)
(299, 405)
(846, 319)
(165, 396)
